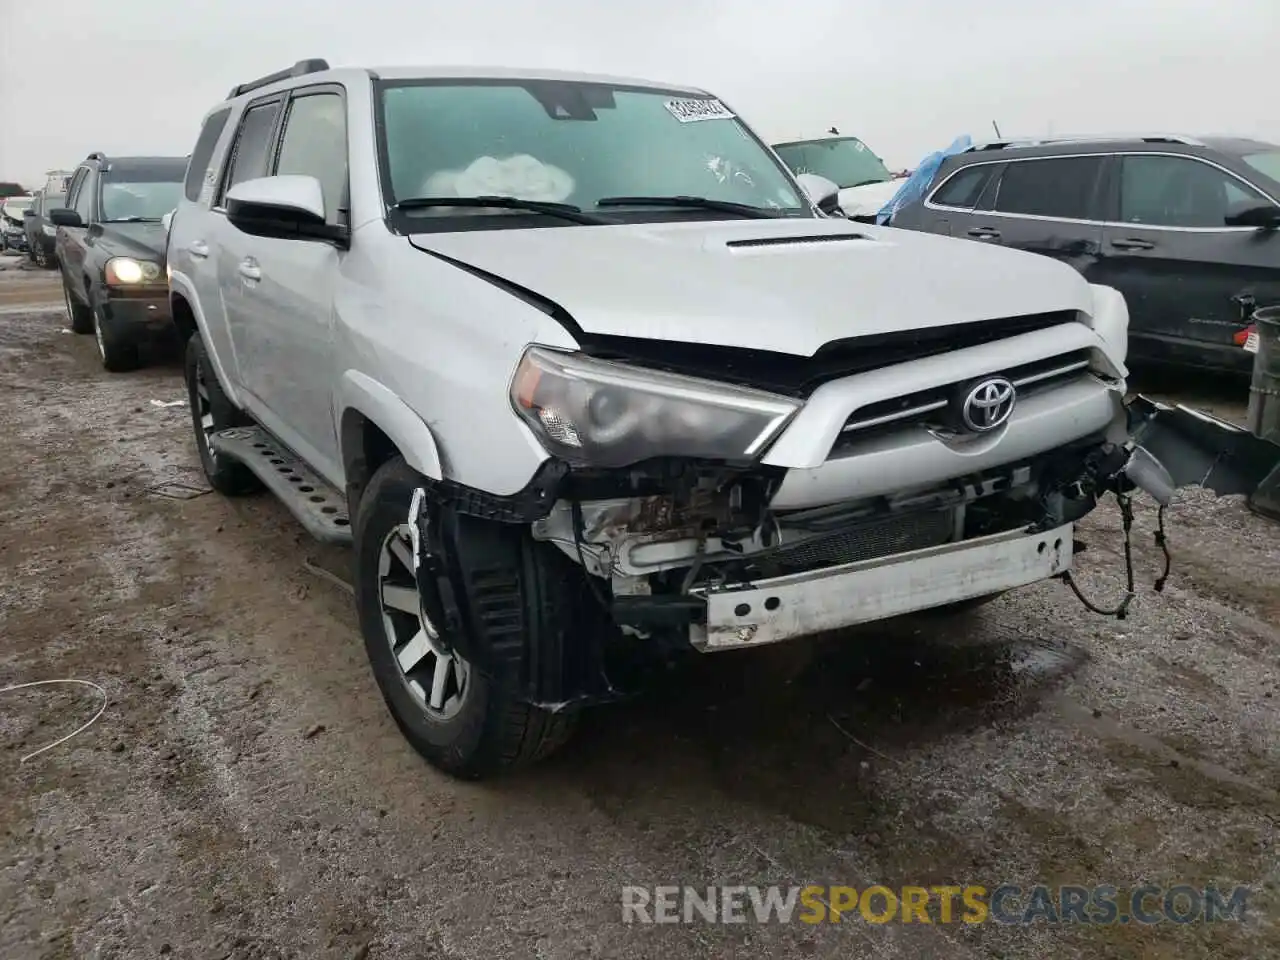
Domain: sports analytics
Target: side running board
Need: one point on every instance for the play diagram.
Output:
(318, 506)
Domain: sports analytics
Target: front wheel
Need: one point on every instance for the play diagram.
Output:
(460, 720)
(79, 316)
(119, 353)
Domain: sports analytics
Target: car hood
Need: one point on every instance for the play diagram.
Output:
(786, 285)
(868, 199)
(136, 239)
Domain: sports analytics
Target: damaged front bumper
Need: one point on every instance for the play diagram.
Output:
(829, 599)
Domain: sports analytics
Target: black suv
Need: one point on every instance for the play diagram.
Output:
(1187, 229)
(110, 245)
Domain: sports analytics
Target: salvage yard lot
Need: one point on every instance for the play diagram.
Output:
(246, 794)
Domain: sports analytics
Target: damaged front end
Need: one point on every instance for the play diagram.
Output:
(663, 554)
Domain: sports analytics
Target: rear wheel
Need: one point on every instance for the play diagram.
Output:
(79, 316)
(211, 411)
(460, 720)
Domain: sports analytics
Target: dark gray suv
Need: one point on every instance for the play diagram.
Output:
(1187, 229)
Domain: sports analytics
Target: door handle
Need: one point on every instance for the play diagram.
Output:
(1132, 244)
(249, 269)
(198, 249)
(985, 233)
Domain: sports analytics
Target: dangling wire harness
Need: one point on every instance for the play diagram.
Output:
(1121, 610)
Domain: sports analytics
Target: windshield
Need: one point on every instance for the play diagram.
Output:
(142, 189)
(1267, 163)
(572, 142)
(845, 161)
(139, 199)
(53, 201)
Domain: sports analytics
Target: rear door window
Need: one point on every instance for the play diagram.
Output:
(202, 155)
(1061, 188)
(963, 189)
(253, 140)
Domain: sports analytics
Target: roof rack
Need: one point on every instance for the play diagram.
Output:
(299, 69)
(1012, 142)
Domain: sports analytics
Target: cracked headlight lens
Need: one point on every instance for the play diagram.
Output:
(605, 414)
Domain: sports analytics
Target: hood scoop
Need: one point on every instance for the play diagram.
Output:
(796, 240)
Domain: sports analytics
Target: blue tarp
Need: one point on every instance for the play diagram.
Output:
(919, 181)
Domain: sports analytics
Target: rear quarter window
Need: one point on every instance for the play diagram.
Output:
(202, 155)
(962, 189)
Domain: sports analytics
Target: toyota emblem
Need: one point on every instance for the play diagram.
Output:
(988, 405)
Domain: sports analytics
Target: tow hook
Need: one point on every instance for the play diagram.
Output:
(435, 589)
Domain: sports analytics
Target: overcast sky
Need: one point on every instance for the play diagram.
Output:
(135, 76)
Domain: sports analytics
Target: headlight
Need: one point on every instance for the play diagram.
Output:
(610, 415)
(126, 270)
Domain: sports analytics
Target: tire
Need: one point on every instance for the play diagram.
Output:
(489, 731)
(119, 353)
(79, 317)
(211, 411)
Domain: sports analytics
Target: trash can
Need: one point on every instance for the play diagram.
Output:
(1264, 404)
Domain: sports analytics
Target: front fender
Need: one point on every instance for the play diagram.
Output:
(394, 418)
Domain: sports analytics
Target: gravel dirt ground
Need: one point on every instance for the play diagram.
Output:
(246, 795)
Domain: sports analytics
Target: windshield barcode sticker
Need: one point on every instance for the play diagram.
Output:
(698, 108)
(1251, 342)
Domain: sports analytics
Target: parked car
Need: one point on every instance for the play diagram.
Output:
(1188, 229)
(865, 183)
(569, 410)
(41, 233)
(58, 181)
(110, 247)
(13, 234)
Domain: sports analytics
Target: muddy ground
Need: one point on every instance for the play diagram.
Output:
(246, 795)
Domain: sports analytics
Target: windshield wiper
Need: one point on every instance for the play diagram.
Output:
(565, 211)
(705, 203)
(133, 220)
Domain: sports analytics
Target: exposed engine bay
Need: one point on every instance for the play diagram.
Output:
(711, 528)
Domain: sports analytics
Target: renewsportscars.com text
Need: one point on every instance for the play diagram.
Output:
(1005, 903)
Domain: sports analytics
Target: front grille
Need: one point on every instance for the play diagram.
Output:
(930, 407)
(800, 376)
(871, 540)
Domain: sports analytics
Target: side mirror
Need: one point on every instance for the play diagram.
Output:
(824, 194)
(62, 217)
(1264, 216)
(286, 207)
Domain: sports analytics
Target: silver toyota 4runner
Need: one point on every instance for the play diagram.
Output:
(580, 371)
